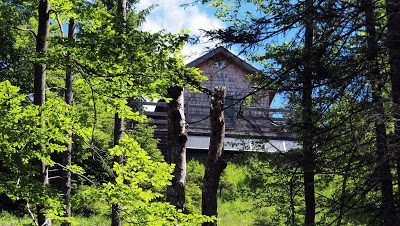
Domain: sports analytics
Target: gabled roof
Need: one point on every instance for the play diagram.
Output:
(228, 55)
(233, 58)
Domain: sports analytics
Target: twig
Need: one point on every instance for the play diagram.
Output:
(45, 223)
(91, 145)
(31, 214)
(58, 21)
(79, 174)
(24, 29)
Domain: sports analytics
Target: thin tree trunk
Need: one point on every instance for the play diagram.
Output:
(344, 188)
(215, 163)
(292, 197)
(119, 123)
(306, 103)
(67, 158)
(40, 88)
(118, 134)
(393, 45)
(177, 137)
(373, 73)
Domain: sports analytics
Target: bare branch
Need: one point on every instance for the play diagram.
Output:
(24, 29)
(31, 214)
(79, 174)
(58, 21)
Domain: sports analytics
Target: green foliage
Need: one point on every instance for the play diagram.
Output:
(144, 135)
(233, 182)
(194, 183)
(138, 186)
(7, 219)
(113, 62)
(234, 205)
(88, 201)
(239, 211)
(15, 51)
(21, 131)
(299, 40)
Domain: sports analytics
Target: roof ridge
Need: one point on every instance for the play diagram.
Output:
(236, 59)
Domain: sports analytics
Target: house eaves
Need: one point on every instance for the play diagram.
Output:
(232, 57)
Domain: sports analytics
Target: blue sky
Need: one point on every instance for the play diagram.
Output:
(171, 17)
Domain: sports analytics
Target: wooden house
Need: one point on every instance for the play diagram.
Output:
(250, 125)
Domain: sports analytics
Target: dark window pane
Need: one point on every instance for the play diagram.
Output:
(230, 112)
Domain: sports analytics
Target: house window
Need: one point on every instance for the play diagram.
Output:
(230, 111)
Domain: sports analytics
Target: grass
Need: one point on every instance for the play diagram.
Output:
(93, 220)
(237, 212)
(233, 207)
(7, 219)
(231, 213)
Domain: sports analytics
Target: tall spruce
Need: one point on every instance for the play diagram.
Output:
(393, 45)
(377, 83)
(384, 169)
(308, 59)
(307, 110)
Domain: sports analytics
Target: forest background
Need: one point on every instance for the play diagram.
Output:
(76, 148)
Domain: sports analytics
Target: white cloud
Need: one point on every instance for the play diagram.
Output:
(171, 17)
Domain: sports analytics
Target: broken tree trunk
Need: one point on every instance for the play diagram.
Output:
(177, 137)
(215, 163)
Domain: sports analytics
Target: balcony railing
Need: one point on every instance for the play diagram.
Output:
(275, 121)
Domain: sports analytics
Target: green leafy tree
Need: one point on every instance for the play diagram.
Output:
(108, 67)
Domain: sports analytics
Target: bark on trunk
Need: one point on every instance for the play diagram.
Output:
(118, 134)
(377, 83)
(177, 137)
(116, 215)
(40, 88)
(393, 45)
(309, 157)
(343, 194)
(119, 122)
(215, 163)
(67, 158)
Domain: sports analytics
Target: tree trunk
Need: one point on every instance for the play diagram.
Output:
(177, 137)
(215, 163)
(40, 88)
(118, 134)
(343, 197)
(292, 188)
(377, 83)
(306, 104)
(119, 123)
(393, 45)
(67, 156)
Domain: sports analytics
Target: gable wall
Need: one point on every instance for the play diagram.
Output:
(232, 76)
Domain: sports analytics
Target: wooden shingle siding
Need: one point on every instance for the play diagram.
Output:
(252, 123)
(222, 69)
